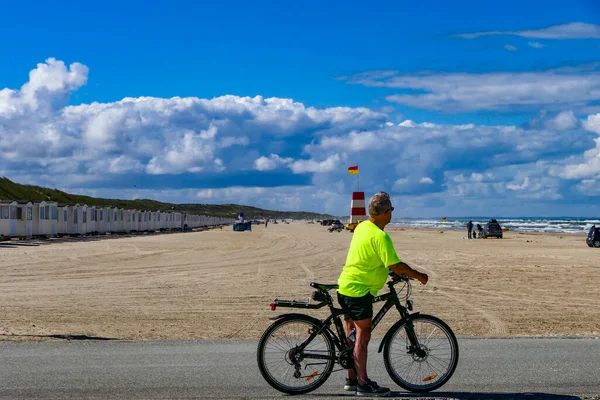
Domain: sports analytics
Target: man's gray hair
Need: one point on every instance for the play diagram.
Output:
(379, 204)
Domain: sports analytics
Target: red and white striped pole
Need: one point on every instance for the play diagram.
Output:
(357, 207)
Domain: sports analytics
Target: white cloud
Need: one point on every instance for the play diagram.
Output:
(271, 162)
(155, 135)
(408, 123)
(535, 45)
(593, 123)
(516, 186)
(428, 167)
(556, 89)
(304, 166)
(573, 30)
(48, 86)
(510, 47)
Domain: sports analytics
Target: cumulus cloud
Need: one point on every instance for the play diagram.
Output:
(555, 89)
(271, 162)
(327, 165)
(227, 148)
(573, 30)
(510, 47)
(48, 87)
(152, 135)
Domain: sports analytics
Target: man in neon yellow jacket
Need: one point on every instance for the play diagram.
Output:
(370, 257)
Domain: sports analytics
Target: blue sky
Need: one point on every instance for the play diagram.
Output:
(471, 109)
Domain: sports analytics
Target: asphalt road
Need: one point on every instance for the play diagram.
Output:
(517, 368)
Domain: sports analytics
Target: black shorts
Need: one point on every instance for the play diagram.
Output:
(357, 308)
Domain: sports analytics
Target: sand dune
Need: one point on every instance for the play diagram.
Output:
(218, 284)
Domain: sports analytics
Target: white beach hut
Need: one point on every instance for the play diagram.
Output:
(24, 218)
(50, 223)
(73, 219)
(63, 218)
(100, 220)
(114, 220)
(91, 220)
(133, 216)
(143, 221)
(82, 219)
(149, 225)
(126, 221)
(166, 220)
(153, 223)
(38, 218)
(168, 216)
(8, 218)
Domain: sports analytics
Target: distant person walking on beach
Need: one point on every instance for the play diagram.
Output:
(370, 255)
(470, 228)
(479, 230)
(266, 222)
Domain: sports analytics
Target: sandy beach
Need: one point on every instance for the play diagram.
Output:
(218, 284)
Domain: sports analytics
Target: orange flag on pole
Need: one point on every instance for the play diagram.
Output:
(353, 170)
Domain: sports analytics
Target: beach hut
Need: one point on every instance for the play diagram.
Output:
(63, 218)
(73, 217)
(170, 221)
(8, 218)
(45, 218)
(49, 225)
(82, 218)
(91, 220)
(119, 222)
(100, 220)
(133, 223)
(150, 221)
(114, 224)
(108, 219)
(166, 217)
(155, 220)
(143, 221)
(39, 217)
(24, 218)
(127, 221)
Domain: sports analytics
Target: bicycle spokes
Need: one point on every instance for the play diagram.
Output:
(291, 365)
(422, 355)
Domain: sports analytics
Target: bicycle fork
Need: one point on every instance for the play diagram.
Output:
(415, 347)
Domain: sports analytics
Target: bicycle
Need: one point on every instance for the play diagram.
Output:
(420, 352)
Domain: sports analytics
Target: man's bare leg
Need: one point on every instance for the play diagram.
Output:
(363, 335)
(349, 325)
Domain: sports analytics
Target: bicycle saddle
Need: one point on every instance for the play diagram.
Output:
(320, 286)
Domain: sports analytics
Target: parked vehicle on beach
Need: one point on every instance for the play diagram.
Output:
(593, 238)
(492, 229)
(336, 226)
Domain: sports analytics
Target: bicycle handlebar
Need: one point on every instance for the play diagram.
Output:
(399, 278)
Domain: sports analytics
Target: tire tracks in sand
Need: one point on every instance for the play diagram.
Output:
(497, 326)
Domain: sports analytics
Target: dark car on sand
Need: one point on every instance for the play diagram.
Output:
(492, 229)
(593, 238)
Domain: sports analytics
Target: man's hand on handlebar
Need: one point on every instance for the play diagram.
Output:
(423, 278)
(404, 269)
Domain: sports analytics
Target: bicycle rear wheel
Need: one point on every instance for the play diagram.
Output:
(436, 363)
(284, 366)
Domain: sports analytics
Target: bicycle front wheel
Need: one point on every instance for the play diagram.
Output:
(428, 367)
(289, 369)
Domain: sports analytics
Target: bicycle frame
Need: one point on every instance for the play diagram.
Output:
(391, 299)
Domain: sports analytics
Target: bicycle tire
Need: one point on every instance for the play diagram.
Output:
(267, 373)
(435, 381)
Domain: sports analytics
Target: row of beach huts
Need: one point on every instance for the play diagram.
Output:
(26, 219)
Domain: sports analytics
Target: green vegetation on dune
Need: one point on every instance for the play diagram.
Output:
(13, 191)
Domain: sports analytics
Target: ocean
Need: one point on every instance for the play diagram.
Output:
(528, 224)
